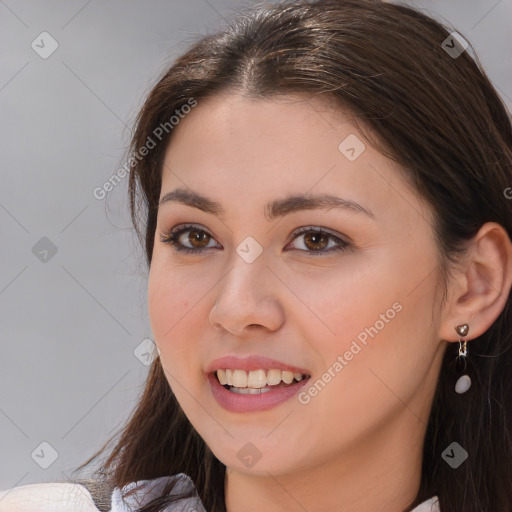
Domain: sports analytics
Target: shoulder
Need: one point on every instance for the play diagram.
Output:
(430, 505)
(47, 497)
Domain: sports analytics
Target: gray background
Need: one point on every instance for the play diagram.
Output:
(71, 326)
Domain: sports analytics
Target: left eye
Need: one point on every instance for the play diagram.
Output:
(315, 240)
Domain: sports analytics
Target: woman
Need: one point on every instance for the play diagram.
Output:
(324, 194)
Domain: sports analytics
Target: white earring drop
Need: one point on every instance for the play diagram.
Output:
(464, 382)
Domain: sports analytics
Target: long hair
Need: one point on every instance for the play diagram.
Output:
(434, 112)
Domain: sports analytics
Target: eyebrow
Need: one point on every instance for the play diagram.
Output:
(274, 209)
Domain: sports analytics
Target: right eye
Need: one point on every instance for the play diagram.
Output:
(196, 238)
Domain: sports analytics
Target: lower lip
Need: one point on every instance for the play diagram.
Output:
(235, 402)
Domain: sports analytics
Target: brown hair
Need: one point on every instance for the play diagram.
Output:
(435, 114)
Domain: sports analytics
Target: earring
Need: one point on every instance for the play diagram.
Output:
(464, 382)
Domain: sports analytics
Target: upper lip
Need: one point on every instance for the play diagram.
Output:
(253, 362)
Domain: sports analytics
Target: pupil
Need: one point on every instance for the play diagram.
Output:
(197, 237)
(316, 236)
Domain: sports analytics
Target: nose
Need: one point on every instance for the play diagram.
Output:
(247, 298)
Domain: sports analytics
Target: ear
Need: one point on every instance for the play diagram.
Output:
(479, 290)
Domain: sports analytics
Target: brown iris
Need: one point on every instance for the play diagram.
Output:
(316, 238)
(196, 236)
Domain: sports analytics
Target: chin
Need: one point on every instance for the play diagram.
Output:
(255, 458)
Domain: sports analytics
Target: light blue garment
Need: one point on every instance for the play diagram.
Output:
(150, 489)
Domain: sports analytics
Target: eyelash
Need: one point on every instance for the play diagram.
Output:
(172, 238)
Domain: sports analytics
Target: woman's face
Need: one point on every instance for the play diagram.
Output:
(353, 307)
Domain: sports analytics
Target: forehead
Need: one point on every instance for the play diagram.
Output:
(234, 148)
(256, 125)
(227, 137)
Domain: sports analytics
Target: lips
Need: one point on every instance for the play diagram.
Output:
(248, 399)
(265, 399)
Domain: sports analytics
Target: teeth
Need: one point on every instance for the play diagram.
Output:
(256, 379)
(240, 379)
(249, 391)
(221, 374)
(274, 377)
(287, 377)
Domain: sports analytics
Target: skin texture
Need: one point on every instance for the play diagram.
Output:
(357, 444)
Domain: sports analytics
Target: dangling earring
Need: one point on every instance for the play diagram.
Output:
(464, 382)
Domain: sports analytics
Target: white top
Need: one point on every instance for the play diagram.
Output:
(69, 497)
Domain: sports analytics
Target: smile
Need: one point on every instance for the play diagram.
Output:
(257, 390)
(256, 380)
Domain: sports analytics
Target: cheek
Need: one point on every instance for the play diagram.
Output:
(171, 315)
(385, 337)
(375, 320)
(335, 306)
(178, 309)
(171, 300)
